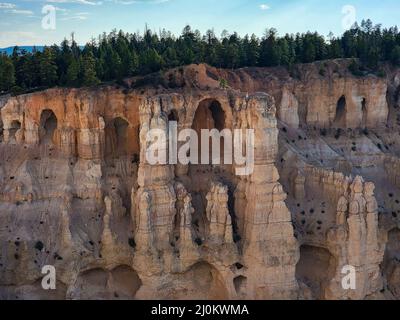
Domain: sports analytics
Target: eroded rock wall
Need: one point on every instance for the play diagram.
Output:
(77, 192)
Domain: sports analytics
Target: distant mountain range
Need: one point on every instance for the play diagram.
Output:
(9, 50)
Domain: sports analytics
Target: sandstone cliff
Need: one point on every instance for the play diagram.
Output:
(76, 191)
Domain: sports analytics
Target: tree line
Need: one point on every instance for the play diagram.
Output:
(117, 55)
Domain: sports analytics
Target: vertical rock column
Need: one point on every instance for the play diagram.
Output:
(154, 221)
(270, 250)
(354, 242)
(31, 133)
(188, 250)
(67, 142)
(220, 228)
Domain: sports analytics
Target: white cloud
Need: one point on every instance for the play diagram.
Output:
(86, 2)
(6, 5)
(264, 6)
(12, 9)
(24, 12)
(76, 16)
(61, 9)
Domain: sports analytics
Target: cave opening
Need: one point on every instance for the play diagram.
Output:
(122, 156)
(202, 282)
(364, 111)
(48, 126)
(173, 116)
(232, 213)
(136, 144)
(218, 115)
(15, 126)
(340, 117)
(1, 129)
(240, 284)
(122, 282)
(121, 127)
(209, 115)
(391, 262)
(315, 269)
(116, 138)
(125, 281)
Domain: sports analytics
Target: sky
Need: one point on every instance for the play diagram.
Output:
(45, 22)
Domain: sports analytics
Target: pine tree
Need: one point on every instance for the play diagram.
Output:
(117, 55)
(270, 54)
(309, 52)
(395, 56)
(170, 57)
(47, 68)
(88, 70)
(253, 52)
(150, 61)
(116, 67)
(286, 58)
(72, 75)
(7, 73)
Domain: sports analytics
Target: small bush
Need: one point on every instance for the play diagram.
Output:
(223, 83)
(16, 90)
(355, 68)
(381, 73)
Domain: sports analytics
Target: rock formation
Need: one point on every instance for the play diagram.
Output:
(77, 191)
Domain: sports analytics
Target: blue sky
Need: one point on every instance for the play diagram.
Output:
(21, 21)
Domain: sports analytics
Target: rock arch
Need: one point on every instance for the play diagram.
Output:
(122, 282)
(210, 114)
(125, 281)
(48, 126)
(315, 269)
(122, 139)
(201, 281)
(116, 132)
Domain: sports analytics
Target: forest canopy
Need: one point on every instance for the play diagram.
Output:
(118, 55)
